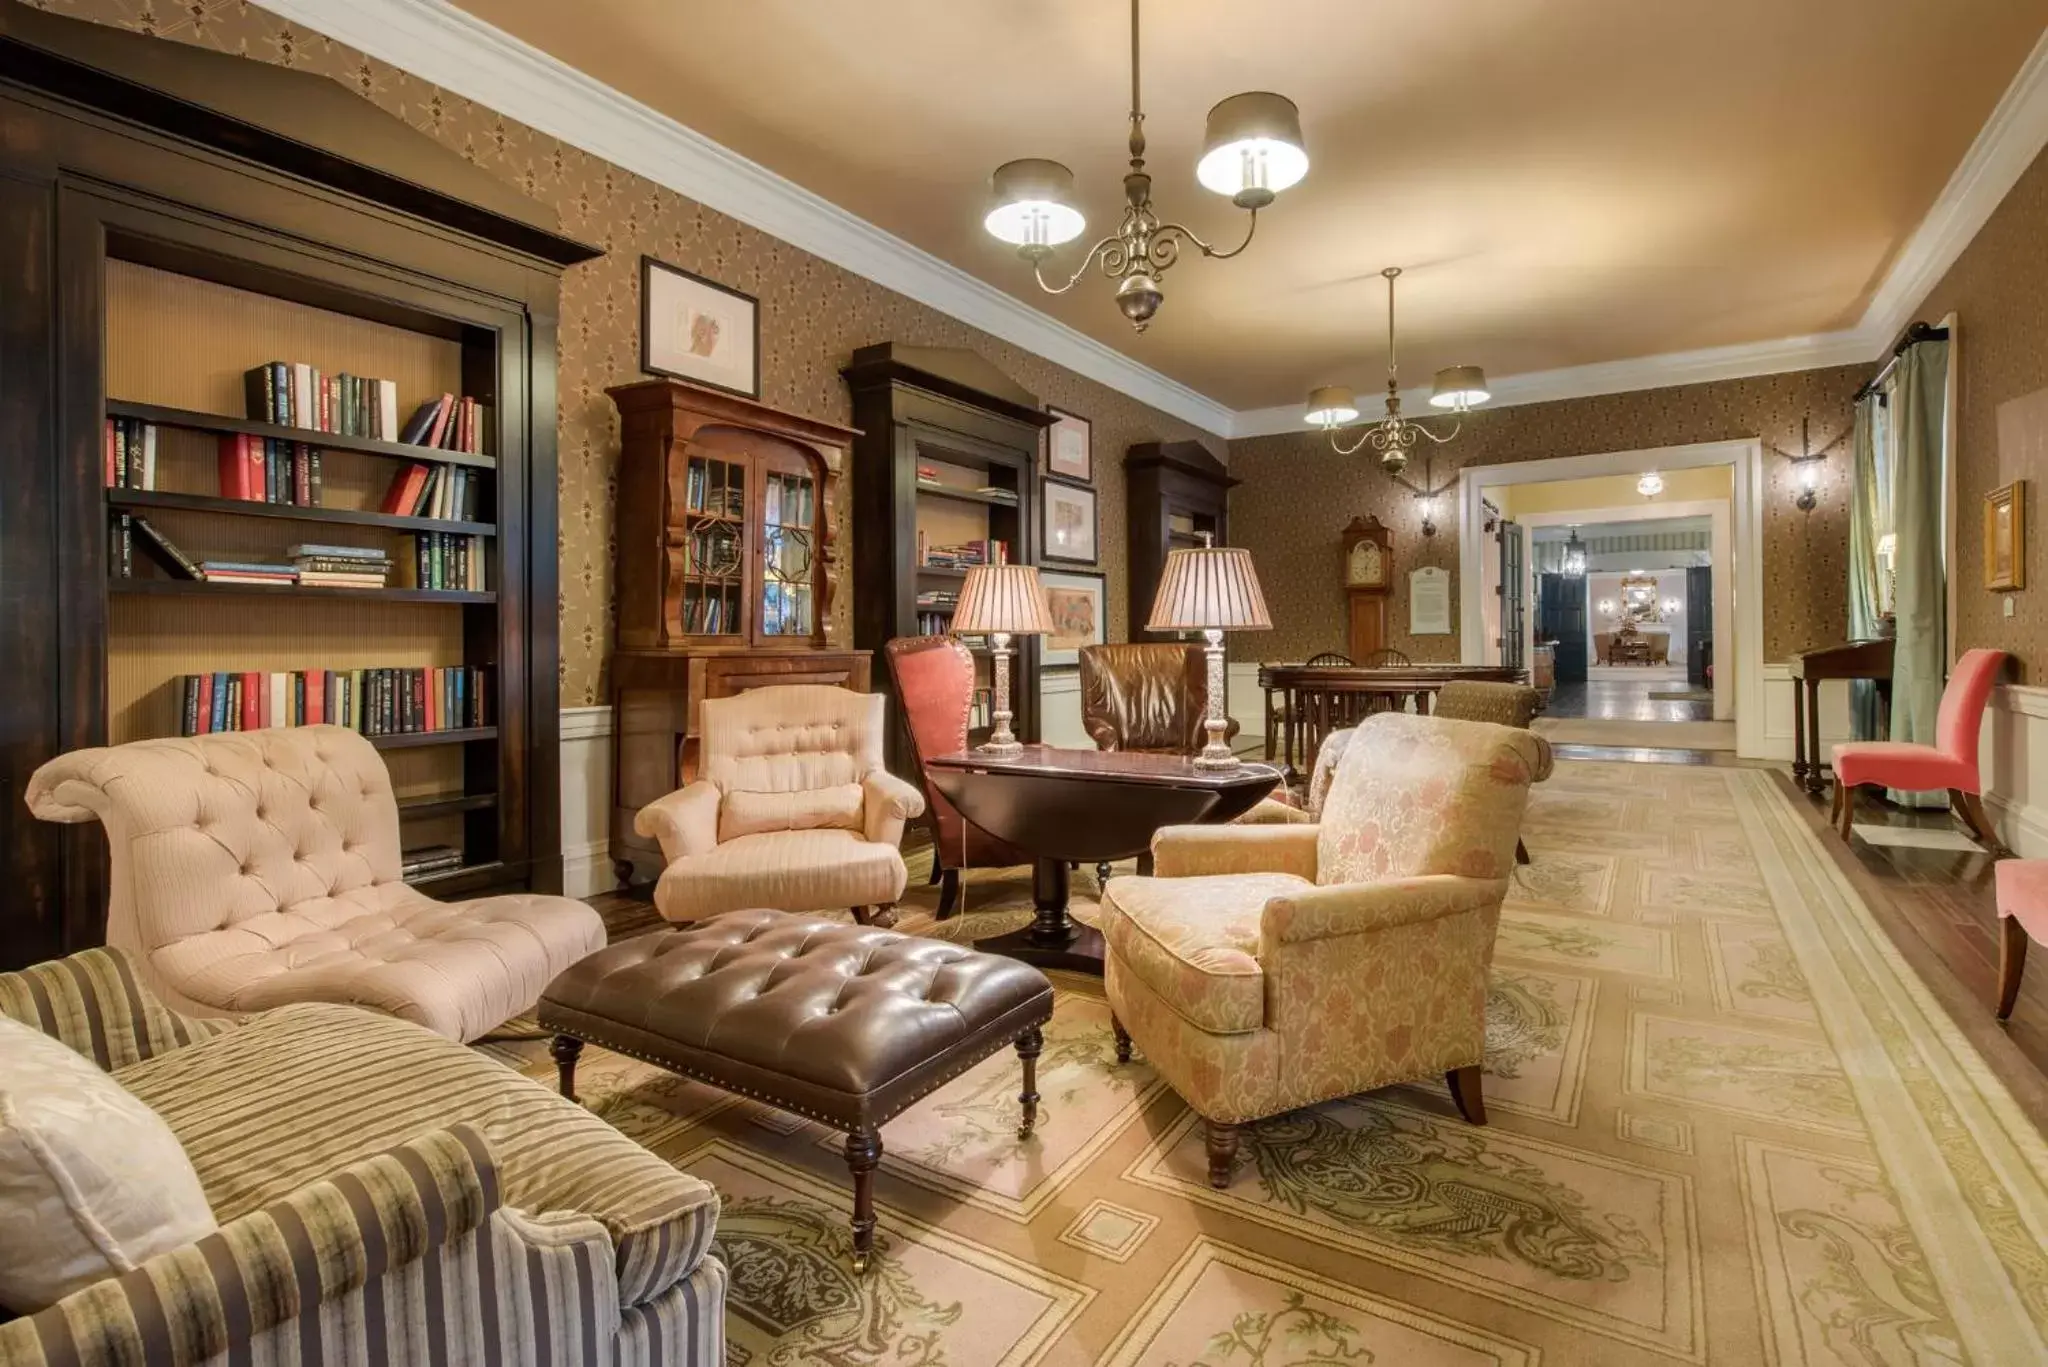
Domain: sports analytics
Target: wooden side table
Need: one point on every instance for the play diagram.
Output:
(1084, 807)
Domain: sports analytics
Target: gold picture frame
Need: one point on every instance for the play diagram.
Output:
(2005, 537)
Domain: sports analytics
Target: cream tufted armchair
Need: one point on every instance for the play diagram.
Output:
(794, 810)
(1266, 968)
(260, 868)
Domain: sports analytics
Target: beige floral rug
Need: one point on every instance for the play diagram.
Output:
(1728, 1126)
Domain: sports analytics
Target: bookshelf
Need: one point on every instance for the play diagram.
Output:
(1175, 491)
(947, 458)
(218, 215)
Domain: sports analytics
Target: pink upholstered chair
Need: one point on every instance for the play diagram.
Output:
(2022, 916)
(1951, 762)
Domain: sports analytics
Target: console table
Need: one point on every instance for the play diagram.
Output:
(1084, 807)
(1314, 700)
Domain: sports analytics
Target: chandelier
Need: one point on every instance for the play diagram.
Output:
(1252, 152)
(1574, 555)
(1458, 388)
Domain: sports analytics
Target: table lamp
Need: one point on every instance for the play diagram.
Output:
(1003, 601)
(1211, 589)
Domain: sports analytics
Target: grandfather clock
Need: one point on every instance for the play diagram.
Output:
(1368, 581)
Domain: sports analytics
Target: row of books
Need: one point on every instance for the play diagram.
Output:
(376, 702)
(270, 470)
(294, 394)
(447, 492)
(944, 600)
(786, 609)
(443, 560)
(934, 623)
(961, 555)
(723, 495)
(341, 567)
(130, 454)
(428, 859)
(711, 614)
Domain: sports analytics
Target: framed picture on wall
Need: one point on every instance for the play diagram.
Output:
(699, 330)
(1069, 533)
(1070, 446)
(1078, 603)
(2005, 537)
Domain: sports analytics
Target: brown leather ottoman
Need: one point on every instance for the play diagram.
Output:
(841, 1023)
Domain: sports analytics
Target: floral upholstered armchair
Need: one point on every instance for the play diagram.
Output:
(1265, 968)
(793, 810)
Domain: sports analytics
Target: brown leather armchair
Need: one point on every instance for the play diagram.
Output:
(1147, 698)
(934, 678)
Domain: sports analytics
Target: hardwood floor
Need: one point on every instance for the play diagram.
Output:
(1938, 907)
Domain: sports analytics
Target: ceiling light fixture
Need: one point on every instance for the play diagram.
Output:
(1253, 151)
(1458, 388)
(1574, 554)
(1650, 485)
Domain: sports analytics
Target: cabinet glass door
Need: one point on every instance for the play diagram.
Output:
(714, 575)
(788, 513)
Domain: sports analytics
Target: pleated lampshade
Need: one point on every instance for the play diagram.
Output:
(1002, 598)
(1209, 586)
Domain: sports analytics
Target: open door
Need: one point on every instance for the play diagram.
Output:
(1513, 626)
(1561, 617)
(1699, 623)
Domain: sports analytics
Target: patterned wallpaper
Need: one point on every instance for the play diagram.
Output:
(813, 314)
(1998, 290)
(1295, 537)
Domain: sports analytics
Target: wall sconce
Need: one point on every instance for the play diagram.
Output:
(1606, 607)
(1806, 469)
(1428, 502)
(1671, 606)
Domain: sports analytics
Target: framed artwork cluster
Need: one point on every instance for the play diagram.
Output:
(1070, 534)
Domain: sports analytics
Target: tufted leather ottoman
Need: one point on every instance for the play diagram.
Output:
(841, 1023)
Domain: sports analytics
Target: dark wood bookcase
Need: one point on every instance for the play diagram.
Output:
(952, 413)
(1175, 491)
(170, 217)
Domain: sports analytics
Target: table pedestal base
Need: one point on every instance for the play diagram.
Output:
(1054, 939)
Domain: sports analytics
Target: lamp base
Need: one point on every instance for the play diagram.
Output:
(1217, 757)
(1000, 749)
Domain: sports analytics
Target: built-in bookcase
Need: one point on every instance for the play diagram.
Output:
(177, 346)
(171, 218)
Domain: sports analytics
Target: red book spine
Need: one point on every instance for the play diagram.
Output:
(252, 702)
(113, 456)
(205, 704)
(316, 697)
(252, 457)
(232, 475)
(439, 429)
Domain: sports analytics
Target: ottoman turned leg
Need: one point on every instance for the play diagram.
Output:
(1467, 1093)
(566, 1049)
(1123, 1039)
(1222, 1143)
(2012, 961)
(1030, 1045)
(863, 1156)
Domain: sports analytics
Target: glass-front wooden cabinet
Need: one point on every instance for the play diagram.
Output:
(725, 575)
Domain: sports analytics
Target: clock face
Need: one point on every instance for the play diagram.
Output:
(1368, 567)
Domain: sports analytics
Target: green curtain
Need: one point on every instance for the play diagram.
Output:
(1919, 482)
(1870, 517)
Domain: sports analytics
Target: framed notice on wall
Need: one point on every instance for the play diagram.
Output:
(1429, 602)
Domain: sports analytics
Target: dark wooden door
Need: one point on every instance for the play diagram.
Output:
(1699, 623)
(1561, 617)
(1513, 632)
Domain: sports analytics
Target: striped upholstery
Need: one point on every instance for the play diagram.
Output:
(92, 1002)
(255, 1130)
(385, 1196)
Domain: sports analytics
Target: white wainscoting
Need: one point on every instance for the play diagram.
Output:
(586, 801)
(1778, 713)
(1059, 708)
(2014, 747)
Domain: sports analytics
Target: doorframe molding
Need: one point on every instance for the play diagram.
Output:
(1746, 457)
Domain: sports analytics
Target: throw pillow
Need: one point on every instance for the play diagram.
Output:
(92, 1181)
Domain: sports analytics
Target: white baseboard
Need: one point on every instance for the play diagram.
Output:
(1780, 700)
(586, 801)
(2014, 748)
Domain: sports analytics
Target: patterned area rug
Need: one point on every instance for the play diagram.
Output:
(1729, 1126)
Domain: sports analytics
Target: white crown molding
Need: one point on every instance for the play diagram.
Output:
(439, 43)
(455, 50)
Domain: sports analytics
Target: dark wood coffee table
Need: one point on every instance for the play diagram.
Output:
(1084, 807)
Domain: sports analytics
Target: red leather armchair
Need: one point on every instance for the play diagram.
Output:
(934, 678)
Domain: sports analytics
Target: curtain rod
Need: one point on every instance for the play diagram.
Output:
(1914, 336)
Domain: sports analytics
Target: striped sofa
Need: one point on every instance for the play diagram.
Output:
(384, 1195)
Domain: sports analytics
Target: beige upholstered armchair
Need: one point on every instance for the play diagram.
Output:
(1265, 968)
(794, 810)
(257, 868)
